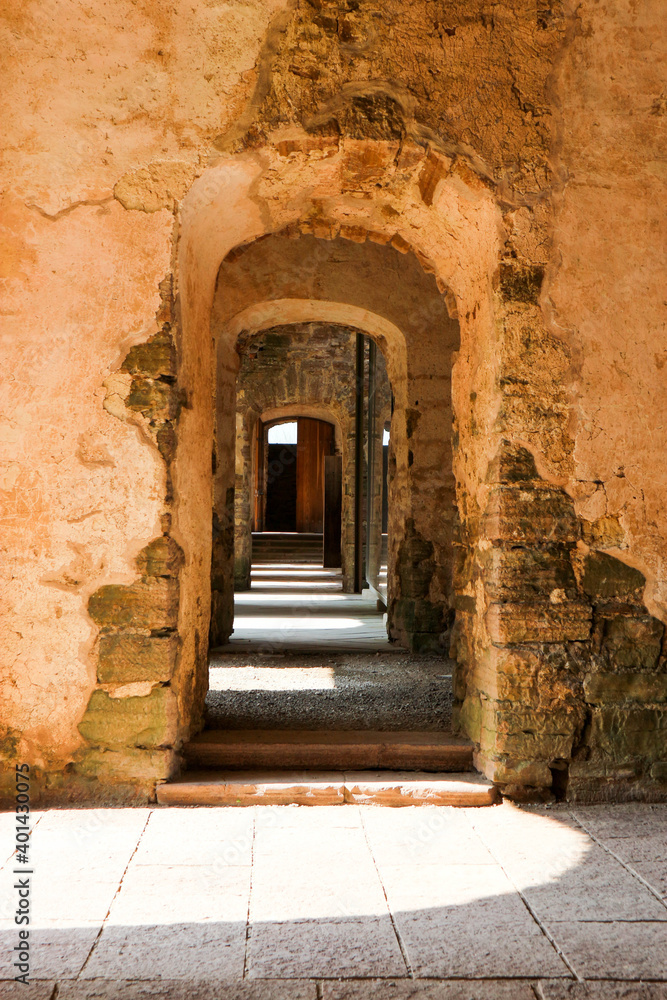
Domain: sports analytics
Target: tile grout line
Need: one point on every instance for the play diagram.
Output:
(246, 949)
(550, 938)
(625, 864)
(402, 947)
(115, 895)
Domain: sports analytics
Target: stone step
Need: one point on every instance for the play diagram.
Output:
(287, 536)
(330, 750)
(312, 788)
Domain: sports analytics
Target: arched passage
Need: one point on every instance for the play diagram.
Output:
(417, 209)
(418, 339)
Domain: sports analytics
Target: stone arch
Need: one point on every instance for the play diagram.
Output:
(414, 201)
(392, 289)
(246, 471)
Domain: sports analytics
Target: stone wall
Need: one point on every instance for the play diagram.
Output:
(570, 674)
(530, 188)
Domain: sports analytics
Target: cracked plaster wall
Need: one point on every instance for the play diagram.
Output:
(115, 107)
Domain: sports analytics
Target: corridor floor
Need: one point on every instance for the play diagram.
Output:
(343, 903)
(295, 607)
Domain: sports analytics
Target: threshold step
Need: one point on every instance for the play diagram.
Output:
(327, 788)
(329, 750)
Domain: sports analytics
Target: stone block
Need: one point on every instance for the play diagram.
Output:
(623, 733)
(470, 716)
(142, 722)
(153, 358)
(605, 533)
(128, 765)
(151, 605)
(530, 516)
(520, 283)
(515, 772)
(521, 573)
(606, 577)
(161, 557)
(519, 623)
(632, 641)
(607, 688)
(512, 464)
(659, 770)
(126, 658)
(542, 676)
(527, 734)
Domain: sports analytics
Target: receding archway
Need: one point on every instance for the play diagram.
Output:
(404, 311)
(447, 217)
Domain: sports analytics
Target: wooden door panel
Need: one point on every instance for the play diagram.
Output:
(314, 441)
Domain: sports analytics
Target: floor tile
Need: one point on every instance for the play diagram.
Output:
(491, 938)
(632, 819)
(655, 873)
(197, 951)
(598, 888)
(331, 894)
(324, 817)
(186, 990)
(418, 887)
(190, 836)
(319, 948)
(58, 952)
(602, 991)
(182, 894)
(32, 991)
(423, 836)
(421, 990)
(614, 950)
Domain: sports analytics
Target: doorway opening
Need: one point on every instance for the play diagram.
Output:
(310, 487)
(290, 476)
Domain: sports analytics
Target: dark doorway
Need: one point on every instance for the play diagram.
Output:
(281, 479)
(295, 451)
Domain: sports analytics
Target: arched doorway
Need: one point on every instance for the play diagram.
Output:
(289, 474)
(283, 278)
(437, 242)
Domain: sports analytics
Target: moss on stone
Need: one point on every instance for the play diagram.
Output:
(151, 605)
(521, 284)
(125, 659)
(127, 722)
(162, 557)
(153, 358)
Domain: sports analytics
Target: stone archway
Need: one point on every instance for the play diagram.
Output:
(421, 208)
(379, 281)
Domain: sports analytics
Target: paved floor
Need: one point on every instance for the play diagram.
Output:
(296, 606)
(395, 690)
(343, 903)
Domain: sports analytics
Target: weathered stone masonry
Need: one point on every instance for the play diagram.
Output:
(569, 674)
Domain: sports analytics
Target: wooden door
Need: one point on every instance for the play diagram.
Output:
(314, 441)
